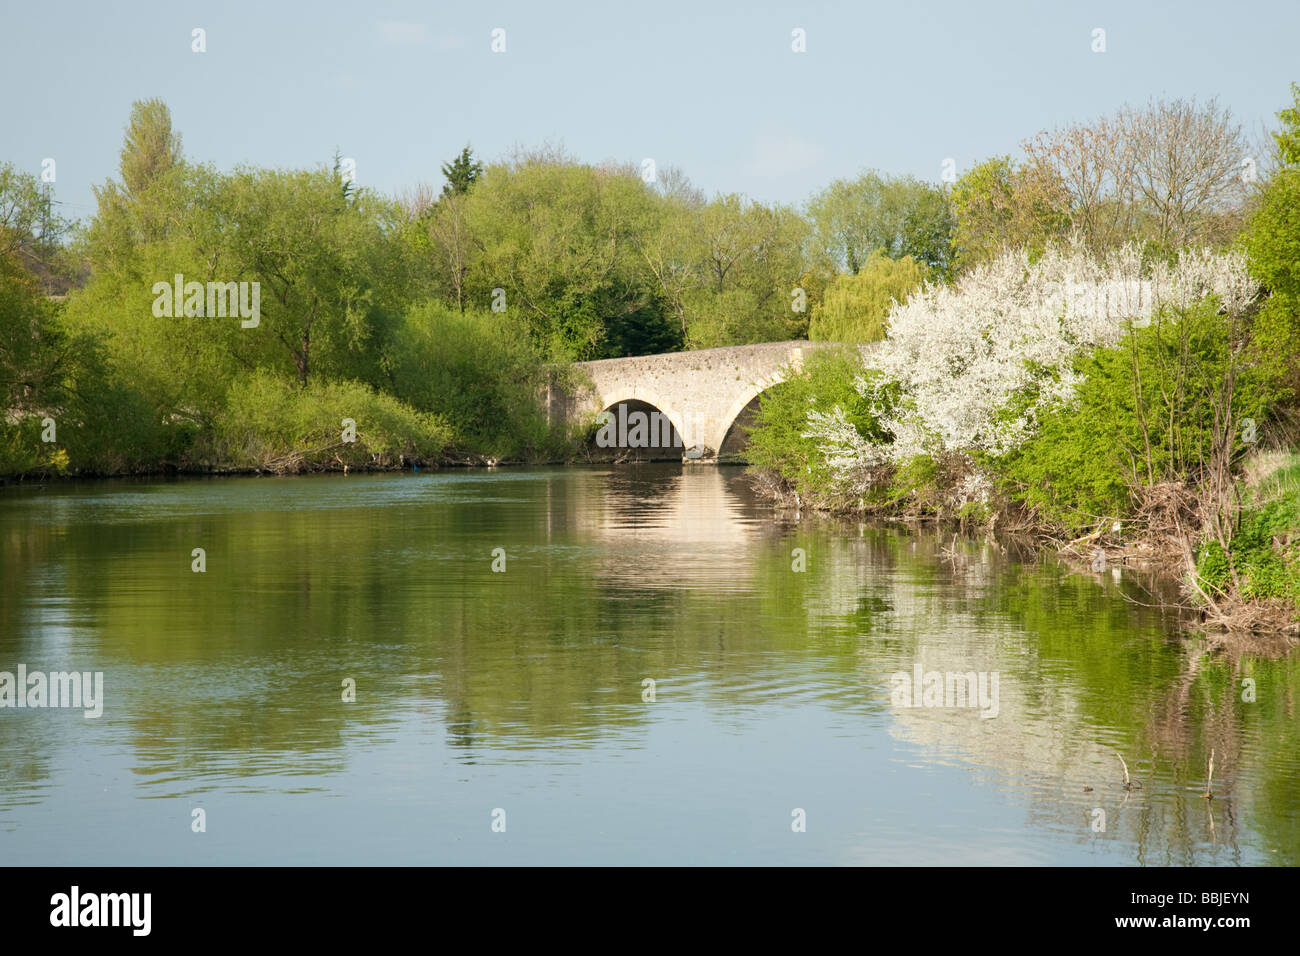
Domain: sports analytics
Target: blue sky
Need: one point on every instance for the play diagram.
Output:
(713, 88)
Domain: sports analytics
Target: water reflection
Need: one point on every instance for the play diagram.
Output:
(771, 685)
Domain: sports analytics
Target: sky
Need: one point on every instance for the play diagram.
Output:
(715, 89)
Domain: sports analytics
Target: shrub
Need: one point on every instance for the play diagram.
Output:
(1265, 550)
(1143, 412)
(479, 373)
(779, 442)
(272, 426)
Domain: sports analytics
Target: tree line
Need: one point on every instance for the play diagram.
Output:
(435, 317)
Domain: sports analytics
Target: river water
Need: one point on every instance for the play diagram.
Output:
(507, 715)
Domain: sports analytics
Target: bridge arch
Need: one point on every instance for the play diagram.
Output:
(640, 425)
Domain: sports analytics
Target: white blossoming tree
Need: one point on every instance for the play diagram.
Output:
(970, 367)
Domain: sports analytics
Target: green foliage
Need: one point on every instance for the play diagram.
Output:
(855, 308)
(150, 147)
(556, 238)
(56, 369)
(461, 173)
(777, 444)
(28, 224)
(24, 319)
(31, 232)
(331, 298)
(1287, 136)
(1266, 545)
(480, 373)
(1000, 204)
(747, 264)
(875, 214)
(132, 389)
(1143, 414)
(271, 425)
(1272, 239)
(915, 481)
(599, 264)
(1272, 236)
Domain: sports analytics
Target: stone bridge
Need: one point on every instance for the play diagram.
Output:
(688, 406)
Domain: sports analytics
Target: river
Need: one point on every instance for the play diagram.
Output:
(603, 665)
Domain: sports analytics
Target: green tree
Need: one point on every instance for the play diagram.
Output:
(1000, 204)
(461, 173)
(24, 329)
(1150, 410)
(479, 372)
(895, 216)
(855, 308)
(779, 444)
(1287, 136)
(559, 239)
(1272, 240)
(331, 294)
(150, 147)
(750, 265)
(153, 198)
(30, 230)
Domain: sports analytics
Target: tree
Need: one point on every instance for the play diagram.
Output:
(154, 197)
(1287, 136)
(30, 230)
(927, 228)
(1001, 205)
(560, 240)
(673, 251)
(1272, 240)
(1169, 173)
(452, 242)
(1094, 164)
(150, 147)
(750, 264)
(330, 290)
(461, 173)
(1186, 168)
(1272, 237)
(24, 322)
(856, 308)
(852, 219)
(972, 366)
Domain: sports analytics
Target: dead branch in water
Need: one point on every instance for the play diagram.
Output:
(1128, 783)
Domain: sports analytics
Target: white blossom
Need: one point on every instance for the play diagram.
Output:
(841, 445)
(962, 352)
(957, 355)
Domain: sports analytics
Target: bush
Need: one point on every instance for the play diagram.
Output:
(272, 426)
(479, 373)
(1265, 550)
(1143, 413)
(1272, 238)
(778, 444)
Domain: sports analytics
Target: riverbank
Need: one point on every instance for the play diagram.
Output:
(1236, 573)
